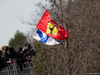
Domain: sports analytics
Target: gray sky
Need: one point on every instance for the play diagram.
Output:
(10, 10)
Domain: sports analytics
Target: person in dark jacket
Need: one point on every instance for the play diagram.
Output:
(25, 57)
(31, 51)
(27, 46)
(19, 58)
(7, 52)
(20, 53)
(3, 62)
(13, 55)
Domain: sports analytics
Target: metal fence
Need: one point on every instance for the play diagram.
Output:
(14, 69)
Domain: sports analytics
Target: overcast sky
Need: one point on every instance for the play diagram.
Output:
(10, 10)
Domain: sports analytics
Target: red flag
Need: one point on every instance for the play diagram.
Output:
(51, 28)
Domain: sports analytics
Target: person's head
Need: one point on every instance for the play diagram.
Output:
(26, 46)
(1, 54)
(11, 49)
(7, 50)
(29, 46)
(3, 48)
(20, 50)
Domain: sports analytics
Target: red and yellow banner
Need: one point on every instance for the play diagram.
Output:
(51, 28)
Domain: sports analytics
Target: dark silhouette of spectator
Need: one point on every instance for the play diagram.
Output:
(27, 46)
(20, 53)
(3, 48)
(9, 55)
(31, 51)
(13, 55)
(25, 56)
(19, 58)
(7, 52)
(3, 62)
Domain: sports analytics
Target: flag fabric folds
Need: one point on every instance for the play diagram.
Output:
(40, 36)
(51, 28)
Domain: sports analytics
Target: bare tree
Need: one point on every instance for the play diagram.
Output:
(80, 52)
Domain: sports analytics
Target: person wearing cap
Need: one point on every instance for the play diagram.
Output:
(25, 46)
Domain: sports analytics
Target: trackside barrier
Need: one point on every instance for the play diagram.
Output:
(14, 69)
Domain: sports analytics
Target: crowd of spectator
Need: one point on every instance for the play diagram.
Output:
(9, 56)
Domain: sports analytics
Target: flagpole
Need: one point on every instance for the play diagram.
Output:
(68, 53)
(67, 38)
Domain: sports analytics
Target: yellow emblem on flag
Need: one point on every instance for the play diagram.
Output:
(51, 29)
